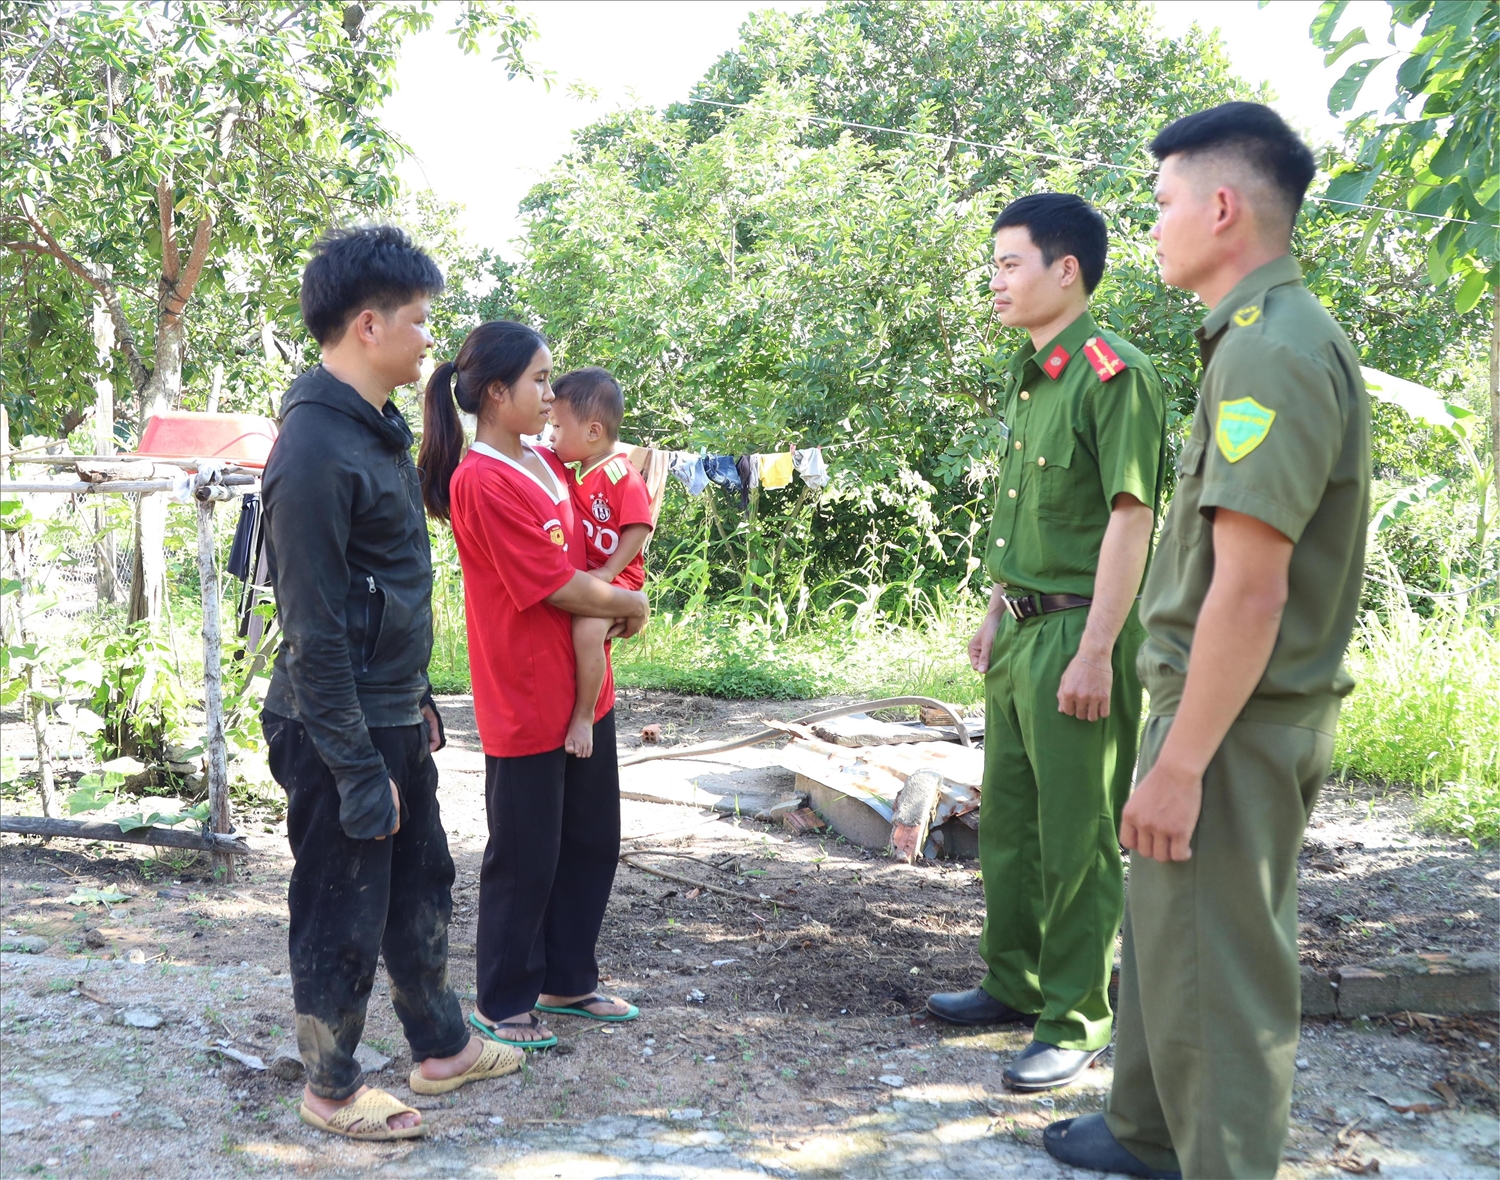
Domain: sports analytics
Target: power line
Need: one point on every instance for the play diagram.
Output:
(1020, 151)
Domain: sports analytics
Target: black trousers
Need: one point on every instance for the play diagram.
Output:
(354, 900)
(548, 869)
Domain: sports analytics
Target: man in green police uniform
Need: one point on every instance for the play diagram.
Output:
(1080, 481)
(1247, 610)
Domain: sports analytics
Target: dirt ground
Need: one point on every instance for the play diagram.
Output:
(781, 1029)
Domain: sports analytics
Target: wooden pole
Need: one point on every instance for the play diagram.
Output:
(213, 687)
(107, 582)
(74, 829)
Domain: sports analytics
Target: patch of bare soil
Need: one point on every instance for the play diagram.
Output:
(770, 1017)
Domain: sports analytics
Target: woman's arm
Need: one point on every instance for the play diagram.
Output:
(583, 595)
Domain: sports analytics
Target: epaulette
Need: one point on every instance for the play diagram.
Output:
(1104, 358)
(1247, 315)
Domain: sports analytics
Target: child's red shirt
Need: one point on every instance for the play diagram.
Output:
(607, 498)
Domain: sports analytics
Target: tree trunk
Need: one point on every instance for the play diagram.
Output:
(1495, 399)
(213, 694)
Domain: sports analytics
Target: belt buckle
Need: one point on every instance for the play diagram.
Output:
(1021, 608)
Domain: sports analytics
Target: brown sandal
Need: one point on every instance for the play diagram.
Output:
(374, 1108)
(495, 1061)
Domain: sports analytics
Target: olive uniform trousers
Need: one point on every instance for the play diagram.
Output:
(1049, 822)
(1210, 994)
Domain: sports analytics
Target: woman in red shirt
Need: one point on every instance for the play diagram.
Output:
(554, 819)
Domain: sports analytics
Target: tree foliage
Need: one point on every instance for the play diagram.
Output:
(1434, 149)
(157, 156)
(787, 270)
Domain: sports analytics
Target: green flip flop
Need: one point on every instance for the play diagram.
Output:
(492, 1032)
(578, 1008)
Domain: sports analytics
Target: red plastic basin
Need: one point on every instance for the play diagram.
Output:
(178, 434)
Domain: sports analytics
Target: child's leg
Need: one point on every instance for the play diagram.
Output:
(588, 656)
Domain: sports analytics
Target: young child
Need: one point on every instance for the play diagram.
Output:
(610, 498)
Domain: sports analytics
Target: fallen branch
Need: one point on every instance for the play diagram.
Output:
(33, 825)
(666, 876)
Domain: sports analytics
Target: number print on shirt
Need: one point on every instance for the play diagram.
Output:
(605, 540)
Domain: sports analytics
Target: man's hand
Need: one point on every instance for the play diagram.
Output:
(1162, 814)
(1084, 691)
(983, 641)
(434, 730)
(396, 801)
(634, 622)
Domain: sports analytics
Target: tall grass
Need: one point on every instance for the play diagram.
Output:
(1426, 713)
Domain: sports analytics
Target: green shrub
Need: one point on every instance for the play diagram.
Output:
(1424, 713)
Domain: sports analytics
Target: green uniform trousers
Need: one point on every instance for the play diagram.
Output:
(1049, 822)
(1210, 997)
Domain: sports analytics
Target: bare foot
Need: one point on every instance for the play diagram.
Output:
(580, 741)
(518, 1027)
(607, 1006)
(324, 1108)
(436, 1069)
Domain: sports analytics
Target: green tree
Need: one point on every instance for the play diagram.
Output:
(1434, 150)
(150, 155)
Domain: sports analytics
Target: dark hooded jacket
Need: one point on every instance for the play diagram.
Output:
(349, 562)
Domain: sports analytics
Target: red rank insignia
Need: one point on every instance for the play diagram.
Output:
(1057, 362)
(1103, 358)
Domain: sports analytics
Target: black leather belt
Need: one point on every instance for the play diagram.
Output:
(1031, 605)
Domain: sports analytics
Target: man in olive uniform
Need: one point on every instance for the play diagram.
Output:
(1080, 482)
(1248, 610)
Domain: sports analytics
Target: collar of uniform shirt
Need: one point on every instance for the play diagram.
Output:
(1249, 292)
(1071, 340)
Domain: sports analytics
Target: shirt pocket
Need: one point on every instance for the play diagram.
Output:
(1185, 520)
(1046, 472)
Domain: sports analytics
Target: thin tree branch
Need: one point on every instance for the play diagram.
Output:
(95, 277)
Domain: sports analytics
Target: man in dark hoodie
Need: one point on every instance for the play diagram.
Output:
(349, 716)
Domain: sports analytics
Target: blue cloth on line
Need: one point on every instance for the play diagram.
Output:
(688, 468)
(721, 470)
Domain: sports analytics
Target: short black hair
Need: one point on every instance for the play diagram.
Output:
(595, 396)
(362, 266)
(1061, 224)
(1253, 132)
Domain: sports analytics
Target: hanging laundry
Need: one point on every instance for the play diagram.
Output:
(722, 470)
(774, 470)
(653, 466)
(688, 468)
(745, 465)
(811, 468)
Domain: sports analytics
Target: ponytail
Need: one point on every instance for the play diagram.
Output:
(499, 351)
(442, 439)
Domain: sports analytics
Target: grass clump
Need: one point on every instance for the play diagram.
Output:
(1424, 713)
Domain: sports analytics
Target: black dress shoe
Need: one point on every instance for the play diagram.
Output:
(1045, 1067)
(1087, 1143)
(975, 1006)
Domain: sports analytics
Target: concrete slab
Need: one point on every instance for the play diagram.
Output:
(740, 782)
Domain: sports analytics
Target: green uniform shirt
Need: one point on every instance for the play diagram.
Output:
(1282, 433)
(1086, 420)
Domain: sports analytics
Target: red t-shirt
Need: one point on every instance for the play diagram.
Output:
(518, 542)
(606, 499)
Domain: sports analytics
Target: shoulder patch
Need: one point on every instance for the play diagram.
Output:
(1246, 315)
(1104, 358)
(1057, 361)
(615, 468)
(1243, 425)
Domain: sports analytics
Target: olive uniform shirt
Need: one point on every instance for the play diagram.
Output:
(1282, 433)
(1083, 422)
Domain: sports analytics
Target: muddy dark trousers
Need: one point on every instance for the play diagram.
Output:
(548, 870)
(1049, 821)
(1210, 998)
(352, 901)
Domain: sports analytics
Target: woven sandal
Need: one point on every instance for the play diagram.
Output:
(580, 1008)
(495, 1061)
(491, 1032)
(371, 1109)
